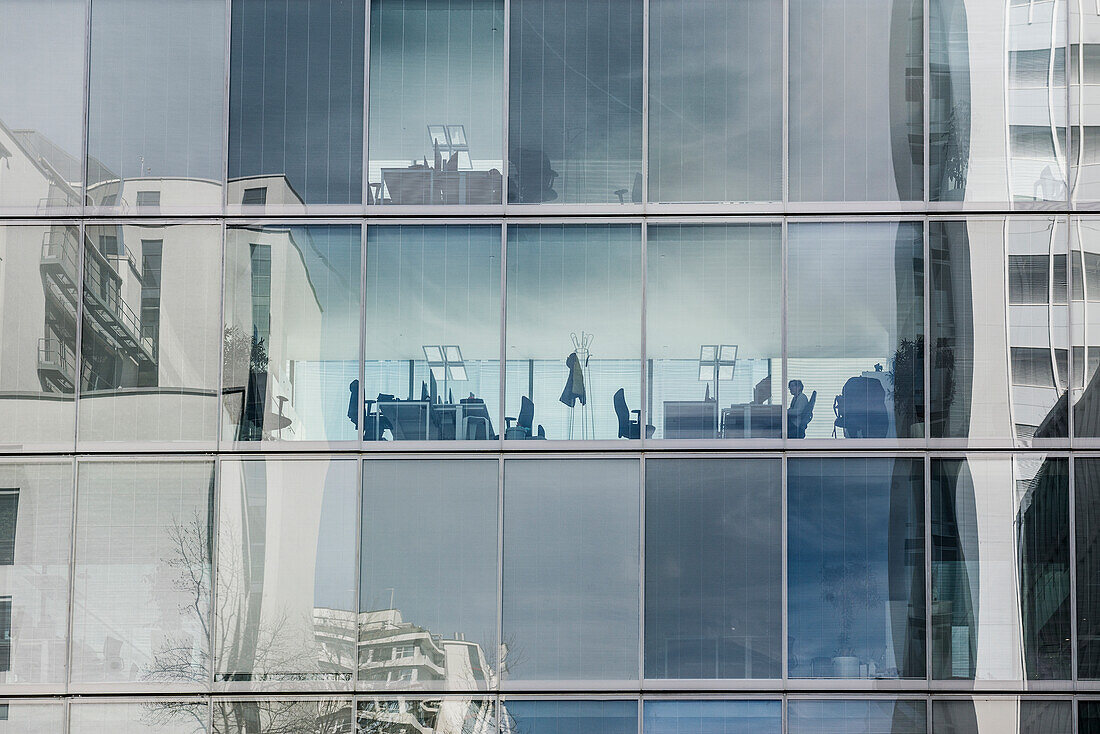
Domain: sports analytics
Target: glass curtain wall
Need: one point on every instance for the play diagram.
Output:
(432, 333)
(437, 102)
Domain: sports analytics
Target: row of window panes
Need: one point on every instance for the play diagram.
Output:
(169, 357)
(955, 715)
(276, 548)
(176, 124)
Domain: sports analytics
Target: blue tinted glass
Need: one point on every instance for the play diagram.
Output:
(855, 565)
(712, 717)
(713, 568)
(574, 332)
(433, 333)
(569, 717)
(857, 717)
(296, 101)
(575, 102)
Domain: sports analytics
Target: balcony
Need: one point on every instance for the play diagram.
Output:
(56, 365)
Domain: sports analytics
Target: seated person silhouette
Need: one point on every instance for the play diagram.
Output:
(801, 410)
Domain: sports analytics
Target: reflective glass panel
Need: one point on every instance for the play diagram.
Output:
(878, 716)
(855, 299)
(141, 597)
(574, 332)
(157, 105)
(1000, 568)
(150, 336)
(998, 101)
(32, 718)
(575, 102)
(286, 570)
(569, 717)
(291, 332)
(437, 102)
(571, 586)
(296, 103)
(447, 715)
(428, 575)
(1084, 133)
(1085, 324)
(1088, 717)
(41, 107)
(713, 548)
(713, 301)
(149, 717)
(712, 717)
(39, 282)
(999, 329)
(1002, 716)
(433, 333)
(302, 716)
(1087, 503)
(35, 530)
(856, 100)
(715, 100)
(855, 568)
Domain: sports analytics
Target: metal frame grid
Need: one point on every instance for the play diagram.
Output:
(782, 213)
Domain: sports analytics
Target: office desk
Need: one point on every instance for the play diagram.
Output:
(752, 420)
(691, 418)
(461, 420)
(428, 186)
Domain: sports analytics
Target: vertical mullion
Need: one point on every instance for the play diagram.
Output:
(1072, 515)
(927, 500)
(645, 116)
(364, 196)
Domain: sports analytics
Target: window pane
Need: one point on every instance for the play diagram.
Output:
(283, 717)
(286, 570)
(32, 718)
(1087, 502)
(571, 586)
(296, 101)
(574, 331)
(997, 356)
(713, 321)
(39, 281)
(1008, 57)
(855, 568)
(715, 101)
(150, 337)
(856, 109)
(1085, 257)
(437, 102)
(428, 575)
(713, 568)
(291, 332)
(1000, 568)
(34, 585)
(447, 715)
(157, 89)
(569, 717)
(142, 593)
(717, 717)
(150, 717)
(575, 102)
(41, 107)
(856, 330)
(1002, 716)
(433, 333)
(1088, 721)
(881, 716)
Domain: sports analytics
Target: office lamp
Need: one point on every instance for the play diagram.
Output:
(716, 362)
(445, 362)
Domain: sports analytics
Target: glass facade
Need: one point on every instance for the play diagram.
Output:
(549, 366)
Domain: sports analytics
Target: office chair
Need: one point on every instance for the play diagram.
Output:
(629, 428)
(520, 428)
